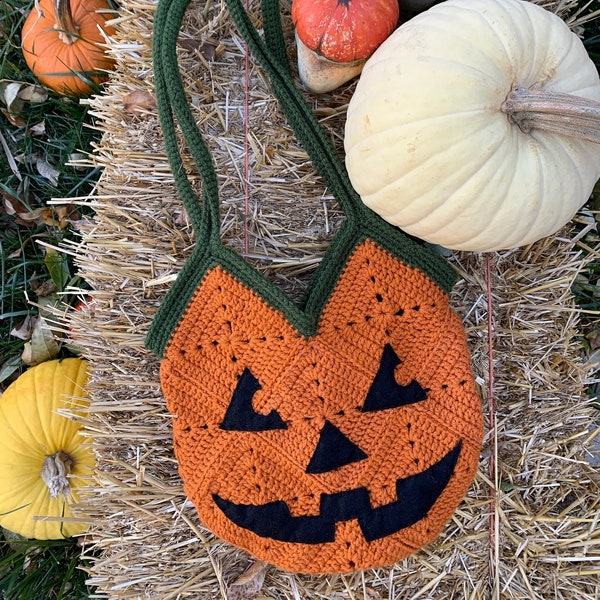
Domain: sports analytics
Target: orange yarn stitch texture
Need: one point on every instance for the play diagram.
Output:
(302, 387)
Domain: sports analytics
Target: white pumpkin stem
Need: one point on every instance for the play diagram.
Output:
(566, 114)
(55, 474)
(68, 30)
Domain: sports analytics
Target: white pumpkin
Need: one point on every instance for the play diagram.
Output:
(434, 146)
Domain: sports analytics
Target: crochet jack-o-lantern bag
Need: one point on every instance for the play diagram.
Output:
(331, 436)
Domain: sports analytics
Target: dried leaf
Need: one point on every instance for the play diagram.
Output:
(9, 94)
(32, 218)
(593, 359)
(593, 445)
(14, 94)
(34, 94)
(23, 215)
(12, 205)
(14, 119)
(49, 306)
(593, 338)
(249, 583)
(138, 101)
(209, 51)
(42, 346)
(37, 216)
(181, 218)
(46, 289)
(46, 170)
(79, 161)
(24, 329)
(58, 216)
(61, 216)
(189, 44)
(37, 129)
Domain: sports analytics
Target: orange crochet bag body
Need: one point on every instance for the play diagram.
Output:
(331, 436)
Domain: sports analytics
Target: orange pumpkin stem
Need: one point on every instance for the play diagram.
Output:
(65, 25)
(565, 114)
(55, 473)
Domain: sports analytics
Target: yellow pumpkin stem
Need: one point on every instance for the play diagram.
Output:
(65, 25)
(55, 474)
(566, 114)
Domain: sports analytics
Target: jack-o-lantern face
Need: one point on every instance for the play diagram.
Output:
(346, 450)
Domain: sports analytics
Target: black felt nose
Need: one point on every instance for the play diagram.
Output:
(334, 450)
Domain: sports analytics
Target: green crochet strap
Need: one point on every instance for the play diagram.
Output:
(271, 13)
(360, 223)
(172, 100)
(307, 129)
(309, 132)
(360, 220)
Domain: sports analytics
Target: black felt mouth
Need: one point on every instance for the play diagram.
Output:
(416, 495)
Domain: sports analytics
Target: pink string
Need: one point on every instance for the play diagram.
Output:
(492, 419)
(246, 147)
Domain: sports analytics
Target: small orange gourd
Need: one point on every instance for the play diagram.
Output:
(62, 44)
(334, 38)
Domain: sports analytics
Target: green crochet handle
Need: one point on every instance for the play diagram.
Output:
(360, 222)
(170, 88)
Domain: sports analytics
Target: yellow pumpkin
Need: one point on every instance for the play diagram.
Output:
(43, 457)
(474, 125)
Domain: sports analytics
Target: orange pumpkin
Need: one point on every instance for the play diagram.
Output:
(344, 30)
(344, 450)
(335, 37)
(62, 44)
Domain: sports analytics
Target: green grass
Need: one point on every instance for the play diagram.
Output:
(63, 132)
(48, 570)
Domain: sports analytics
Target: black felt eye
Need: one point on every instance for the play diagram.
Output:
(385, 392)
(241, 416)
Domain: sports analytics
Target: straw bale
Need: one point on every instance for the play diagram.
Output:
(528, 526)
